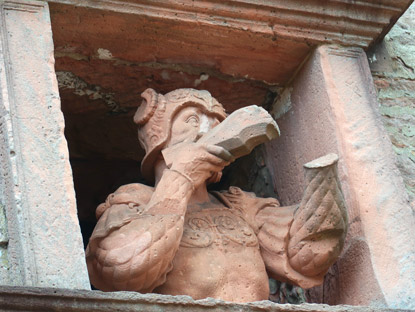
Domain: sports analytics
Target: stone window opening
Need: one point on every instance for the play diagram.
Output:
(100, 84)
(107, 53)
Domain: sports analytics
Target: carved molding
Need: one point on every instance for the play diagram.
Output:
(29, 113)
(359, 23)
(345, 52)
(21, 262)
(25, 6)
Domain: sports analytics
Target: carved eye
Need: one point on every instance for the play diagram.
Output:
(193, 120)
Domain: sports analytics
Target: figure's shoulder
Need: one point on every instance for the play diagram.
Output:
(141, 190)
(134, 193)
(235, 197)
(245, 203)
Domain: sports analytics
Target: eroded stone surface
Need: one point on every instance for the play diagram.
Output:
(35, 299)
(334, 109)
(393, 67)
(99, 97)
(44, 246)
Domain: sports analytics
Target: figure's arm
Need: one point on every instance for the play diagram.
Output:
(300, 243)
(134, 250)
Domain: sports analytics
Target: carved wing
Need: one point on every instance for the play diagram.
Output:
(133, 257)
(299, 243)
(319, 228)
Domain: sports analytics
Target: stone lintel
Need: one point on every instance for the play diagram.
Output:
(341, 22)
(48, 299)
(45, 246)
(333, 109)
(240, 40)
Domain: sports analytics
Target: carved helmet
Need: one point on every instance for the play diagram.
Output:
(155, 115)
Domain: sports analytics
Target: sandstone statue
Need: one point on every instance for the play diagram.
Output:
(177, 238)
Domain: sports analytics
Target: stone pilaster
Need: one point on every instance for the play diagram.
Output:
(331, 107)
(44, 238)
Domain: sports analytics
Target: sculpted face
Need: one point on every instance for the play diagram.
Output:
(189, 124)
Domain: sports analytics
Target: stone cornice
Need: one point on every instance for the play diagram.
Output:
(357, 23)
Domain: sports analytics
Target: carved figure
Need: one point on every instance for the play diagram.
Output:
(176, 238)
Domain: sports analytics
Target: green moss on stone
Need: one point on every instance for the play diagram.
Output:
(397, 111)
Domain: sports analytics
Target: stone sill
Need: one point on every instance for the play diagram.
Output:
(54, 299)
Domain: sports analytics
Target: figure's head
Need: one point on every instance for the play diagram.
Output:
(165, 120)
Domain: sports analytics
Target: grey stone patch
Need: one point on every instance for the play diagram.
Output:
(286, 293)
(68, 80)
(282, 104)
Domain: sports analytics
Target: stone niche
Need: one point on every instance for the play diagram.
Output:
(321, 94)
(103, 62)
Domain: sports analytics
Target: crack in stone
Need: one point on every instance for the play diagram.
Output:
(405, 65)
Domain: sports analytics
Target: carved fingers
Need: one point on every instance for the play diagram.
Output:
(220, 152)
(200, 162)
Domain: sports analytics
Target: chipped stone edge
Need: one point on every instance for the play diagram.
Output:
(35, 299)
(323, 161)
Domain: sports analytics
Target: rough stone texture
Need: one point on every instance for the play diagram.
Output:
(108, 52)
(356, 24)
(106, 93)
(45, 247)
(107, 97)
(47, 299)
(334, 109)
(392, 63)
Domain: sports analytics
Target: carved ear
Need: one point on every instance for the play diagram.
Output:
(147, 108)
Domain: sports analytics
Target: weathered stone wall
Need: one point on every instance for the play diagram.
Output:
(44, 246)
(392, 63)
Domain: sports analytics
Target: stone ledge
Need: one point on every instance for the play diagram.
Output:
(54, 299)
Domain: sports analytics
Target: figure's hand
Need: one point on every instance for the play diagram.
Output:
(200, 162)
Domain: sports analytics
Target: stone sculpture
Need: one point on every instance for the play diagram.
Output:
(177, 238)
